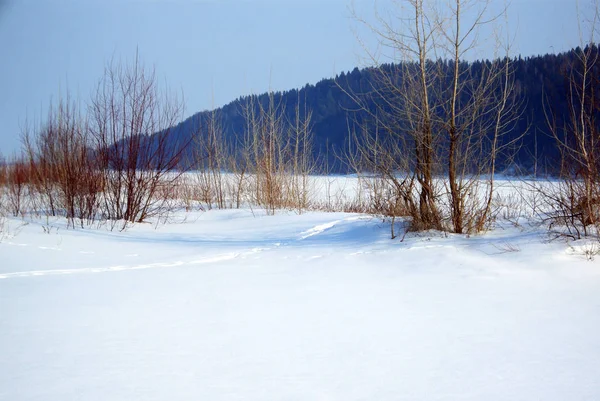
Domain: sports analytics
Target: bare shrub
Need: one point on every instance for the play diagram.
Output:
(300, 157)
(132, 123)
(119, 161)
(3, 172)
(569, 211)
(210, 162)
(18, 177)
(575, 200)
(65, 170)
(3, 184)
(276, 155)
(265, 143)
(41, 148)
(238, 185)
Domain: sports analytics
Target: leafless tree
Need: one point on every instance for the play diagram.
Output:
(132, 122)
(575, 201)
(438, 124)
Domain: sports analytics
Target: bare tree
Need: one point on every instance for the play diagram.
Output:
(575, 201)
(438, 122)
(132, 122)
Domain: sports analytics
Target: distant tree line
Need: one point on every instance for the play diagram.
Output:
(540, 83)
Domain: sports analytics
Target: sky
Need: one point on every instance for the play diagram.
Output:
(213, 51)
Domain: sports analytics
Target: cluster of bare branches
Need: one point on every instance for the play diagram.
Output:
(3, 182)
(277, 154)
(66, 178)
(17, 178)
(120, 159)
(132, 126)
(438, 126)
(211, 160)
(117, 162)
(268, 166)
(574, 201)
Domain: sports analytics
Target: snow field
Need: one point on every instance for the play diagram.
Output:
(236, 305)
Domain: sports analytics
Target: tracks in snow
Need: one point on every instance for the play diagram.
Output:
(89, 270)
(35, 273)
(314, 231)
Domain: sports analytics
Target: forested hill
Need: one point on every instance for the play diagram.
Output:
(538, 80)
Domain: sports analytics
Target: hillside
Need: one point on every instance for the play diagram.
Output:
(540, 84)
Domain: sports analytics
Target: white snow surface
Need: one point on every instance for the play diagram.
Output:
(237, 305)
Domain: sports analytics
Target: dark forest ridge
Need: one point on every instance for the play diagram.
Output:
(540, 83)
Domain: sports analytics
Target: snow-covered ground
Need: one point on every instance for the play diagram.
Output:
(237, 305)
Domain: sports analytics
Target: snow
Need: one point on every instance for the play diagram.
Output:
(238, 305)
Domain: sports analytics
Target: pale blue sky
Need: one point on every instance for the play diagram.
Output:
(214, 51)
